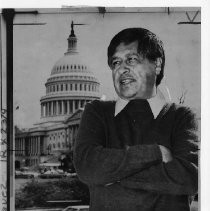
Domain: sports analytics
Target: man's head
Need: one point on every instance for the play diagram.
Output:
(136, 58)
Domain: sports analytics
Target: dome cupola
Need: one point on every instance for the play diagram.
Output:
(70, 86)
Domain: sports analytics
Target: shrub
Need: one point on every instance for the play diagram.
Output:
(36, 193)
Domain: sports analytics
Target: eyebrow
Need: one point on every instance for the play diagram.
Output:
(128, 54)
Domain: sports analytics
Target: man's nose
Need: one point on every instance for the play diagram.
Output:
(124, 67)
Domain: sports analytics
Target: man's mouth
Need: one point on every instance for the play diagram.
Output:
(126, 81)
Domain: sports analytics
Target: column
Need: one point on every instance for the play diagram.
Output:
(56, 107)
(46, 109)
(16, 147)
(34, 145)
(41, 111)
(38, 145)
(20, 152)
(29, 146)
(51, 103)
(23, 146)
(73, 106)
(32, 148)
(68, 107)
(65, 136)
(62, 105)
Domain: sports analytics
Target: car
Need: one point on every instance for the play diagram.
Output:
(52, 174)
(77, 208)
(72, 175)
(25, 174)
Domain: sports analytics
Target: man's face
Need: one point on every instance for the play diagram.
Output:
(133, 76)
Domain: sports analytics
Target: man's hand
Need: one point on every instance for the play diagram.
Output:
(166, 154)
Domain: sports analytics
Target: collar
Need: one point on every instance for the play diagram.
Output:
(156, 103)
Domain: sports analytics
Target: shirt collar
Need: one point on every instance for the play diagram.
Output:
(156, 103)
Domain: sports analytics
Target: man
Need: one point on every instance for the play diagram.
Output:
(139, 153)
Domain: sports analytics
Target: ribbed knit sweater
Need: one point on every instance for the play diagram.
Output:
(120, 160)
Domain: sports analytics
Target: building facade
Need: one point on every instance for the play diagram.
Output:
(70, 86)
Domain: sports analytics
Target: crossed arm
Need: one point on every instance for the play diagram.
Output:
(139, 166)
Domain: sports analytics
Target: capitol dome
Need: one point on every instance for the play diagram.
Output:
(70, 86)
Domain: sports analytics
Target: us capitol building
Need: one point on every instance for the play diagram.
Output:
(70, 86)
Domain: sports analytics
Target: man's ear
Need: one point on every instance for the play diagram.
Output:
(158, 63)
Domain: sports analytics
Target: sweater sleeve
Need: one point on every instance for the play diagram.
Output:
(97, 165)
(180, 176)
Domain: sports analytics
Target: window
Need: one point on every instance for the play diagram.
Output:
(80, 87)
(59, 145)
(70, 86)
(66, 87)
(61, 87)
(54, 146)
(75, 86)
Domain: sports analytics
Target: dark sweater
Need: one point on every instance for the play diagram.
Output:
(119, 158)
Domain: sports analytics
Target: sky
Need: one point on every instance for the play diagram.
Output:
(37, 48)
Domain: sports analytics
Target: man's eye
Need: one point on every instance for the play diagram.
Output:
(115, 63)
(133, 60)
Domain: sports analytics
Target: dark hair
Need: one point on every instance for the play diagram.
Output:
(149, 46)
